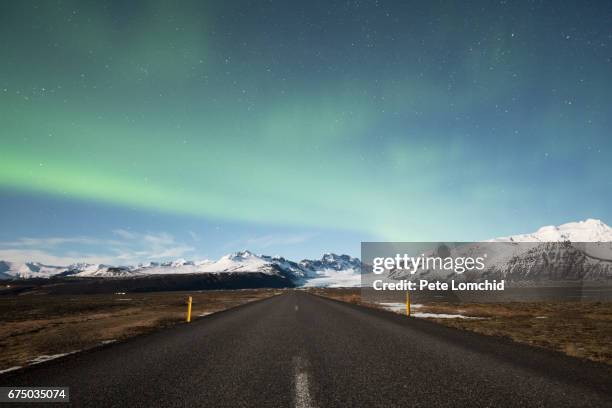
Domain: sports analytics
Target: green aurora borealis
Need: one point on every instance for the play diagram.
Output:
(394, 120)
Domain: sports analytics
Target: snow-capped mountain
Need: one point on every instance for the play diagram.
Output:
(28, 270)
(100, 270)
(246, 261)
(569, 252)
(554, 261)
(332, 262)
(239, 262)
(332, 271)
(572, 251)
(583, 231)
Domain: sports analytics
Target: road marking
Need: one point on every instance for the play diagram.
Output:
(302, 393)
(296, 308)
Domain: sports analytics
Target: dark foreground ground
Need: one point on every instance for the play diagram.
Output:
(302, 350)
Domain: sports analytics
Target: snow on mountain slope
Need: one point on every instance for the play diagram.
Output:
(244, 262)
(583, 231)
(573, 251)
(332, 262)
(28, 270)
(103, 271)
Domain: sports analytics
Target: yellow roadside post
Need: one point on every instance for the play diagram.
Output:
(189, 300)
(408, 303)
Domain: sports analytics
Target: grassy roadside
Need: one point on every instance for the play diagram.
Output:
(579, 329)
(37, 327)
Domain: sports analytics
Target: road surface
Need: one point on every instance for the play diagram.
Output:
(300, 350)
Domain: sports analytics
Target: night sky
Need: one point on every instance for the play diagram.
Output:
(133, 131)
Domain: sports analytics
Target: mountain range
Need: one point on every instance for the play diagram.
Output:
(518, 257)
(243, 262)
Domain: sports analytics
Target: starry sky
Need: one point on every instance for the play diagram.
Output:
(149, 130)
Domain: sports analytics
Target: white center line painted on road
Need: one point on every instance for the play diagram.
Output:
(302, 392)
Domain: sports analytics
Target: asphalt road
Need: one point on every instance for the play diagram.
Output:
(299, 350)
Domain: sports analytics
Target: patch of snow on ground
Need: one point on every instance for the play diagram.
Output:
(10, 369)
(398, 307)
(45, 357)
(443, 316)
(401, 308)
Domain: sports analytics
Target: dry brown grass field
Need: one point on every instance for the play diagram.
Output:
(38, 326)
(580, 329)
